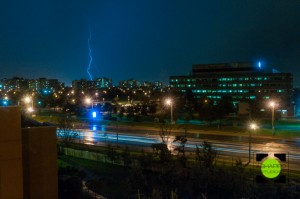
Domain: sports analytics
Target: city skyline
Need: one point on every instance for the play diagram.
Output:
(144, 40)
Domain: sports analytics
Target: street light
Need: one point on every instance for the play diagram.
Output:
(28, 99)
(170, 102)
(252, 127)
(89, 101)
(272, 105)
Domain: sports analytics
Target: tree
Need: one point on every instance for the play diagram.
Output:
(121, 113)
(161, 151)
(182, 141)
(208, 111)
(66, 131)
(206, 155)
(181, 148)
(225, 106)
(165, 132)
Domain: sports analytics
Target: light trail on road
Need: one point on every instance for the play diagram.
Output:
(238, 149)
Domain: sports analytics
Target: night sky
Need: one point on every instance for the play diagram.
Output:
(144, 39)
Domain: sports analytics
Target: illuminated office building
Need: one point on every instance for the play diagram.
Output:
(242, 82)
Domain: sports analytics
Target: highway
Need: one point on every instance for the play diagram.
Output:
(228, 146)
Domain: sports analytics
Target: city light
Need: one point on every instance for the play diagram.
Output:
(170, 103)
(253, 126)
(30, 109)
(27, 99)
(88, 100)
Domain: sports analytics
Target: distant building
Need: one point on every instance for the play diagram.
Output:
(130, 83)
(104, 82)
(157, 85)
(15, 84)
(243, 82)
(98, 83)
(44, 84)
(83, 84)
(21, 84)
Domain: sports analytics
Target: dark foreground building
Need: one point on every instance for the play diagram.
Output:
(28, 168)
(242, 82)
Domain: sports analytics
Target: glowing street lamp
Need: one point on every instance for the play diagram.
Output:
(252, 127)
(272, 105)
(30, 109)
(170, 103)
(27, 100)
(89, 101)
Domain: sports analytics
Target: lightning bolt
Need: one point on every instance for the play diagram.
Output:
(90, 54)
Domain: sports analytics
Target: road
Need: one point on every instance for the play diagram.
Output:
(228, 146)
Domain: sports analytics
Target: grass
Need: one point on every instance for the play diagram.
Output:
(62, 164)
(99, 168)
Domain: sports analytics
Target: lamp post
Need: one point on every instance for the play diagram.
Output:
(170, 102)
(29, 100)
(272, 105)
(252, 127)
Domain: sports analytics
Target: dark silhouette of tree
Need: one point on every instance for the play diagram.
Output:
(225, 107)
(165, 131)
(206, 155)
(208, 112)
(121, 112)
(162, 152)
(66, 132)
(144, 109)
(152, 108)
(182, 139)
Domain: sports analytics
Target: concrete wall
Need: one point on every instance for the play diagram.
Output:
(11, 176)
(40, 163)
